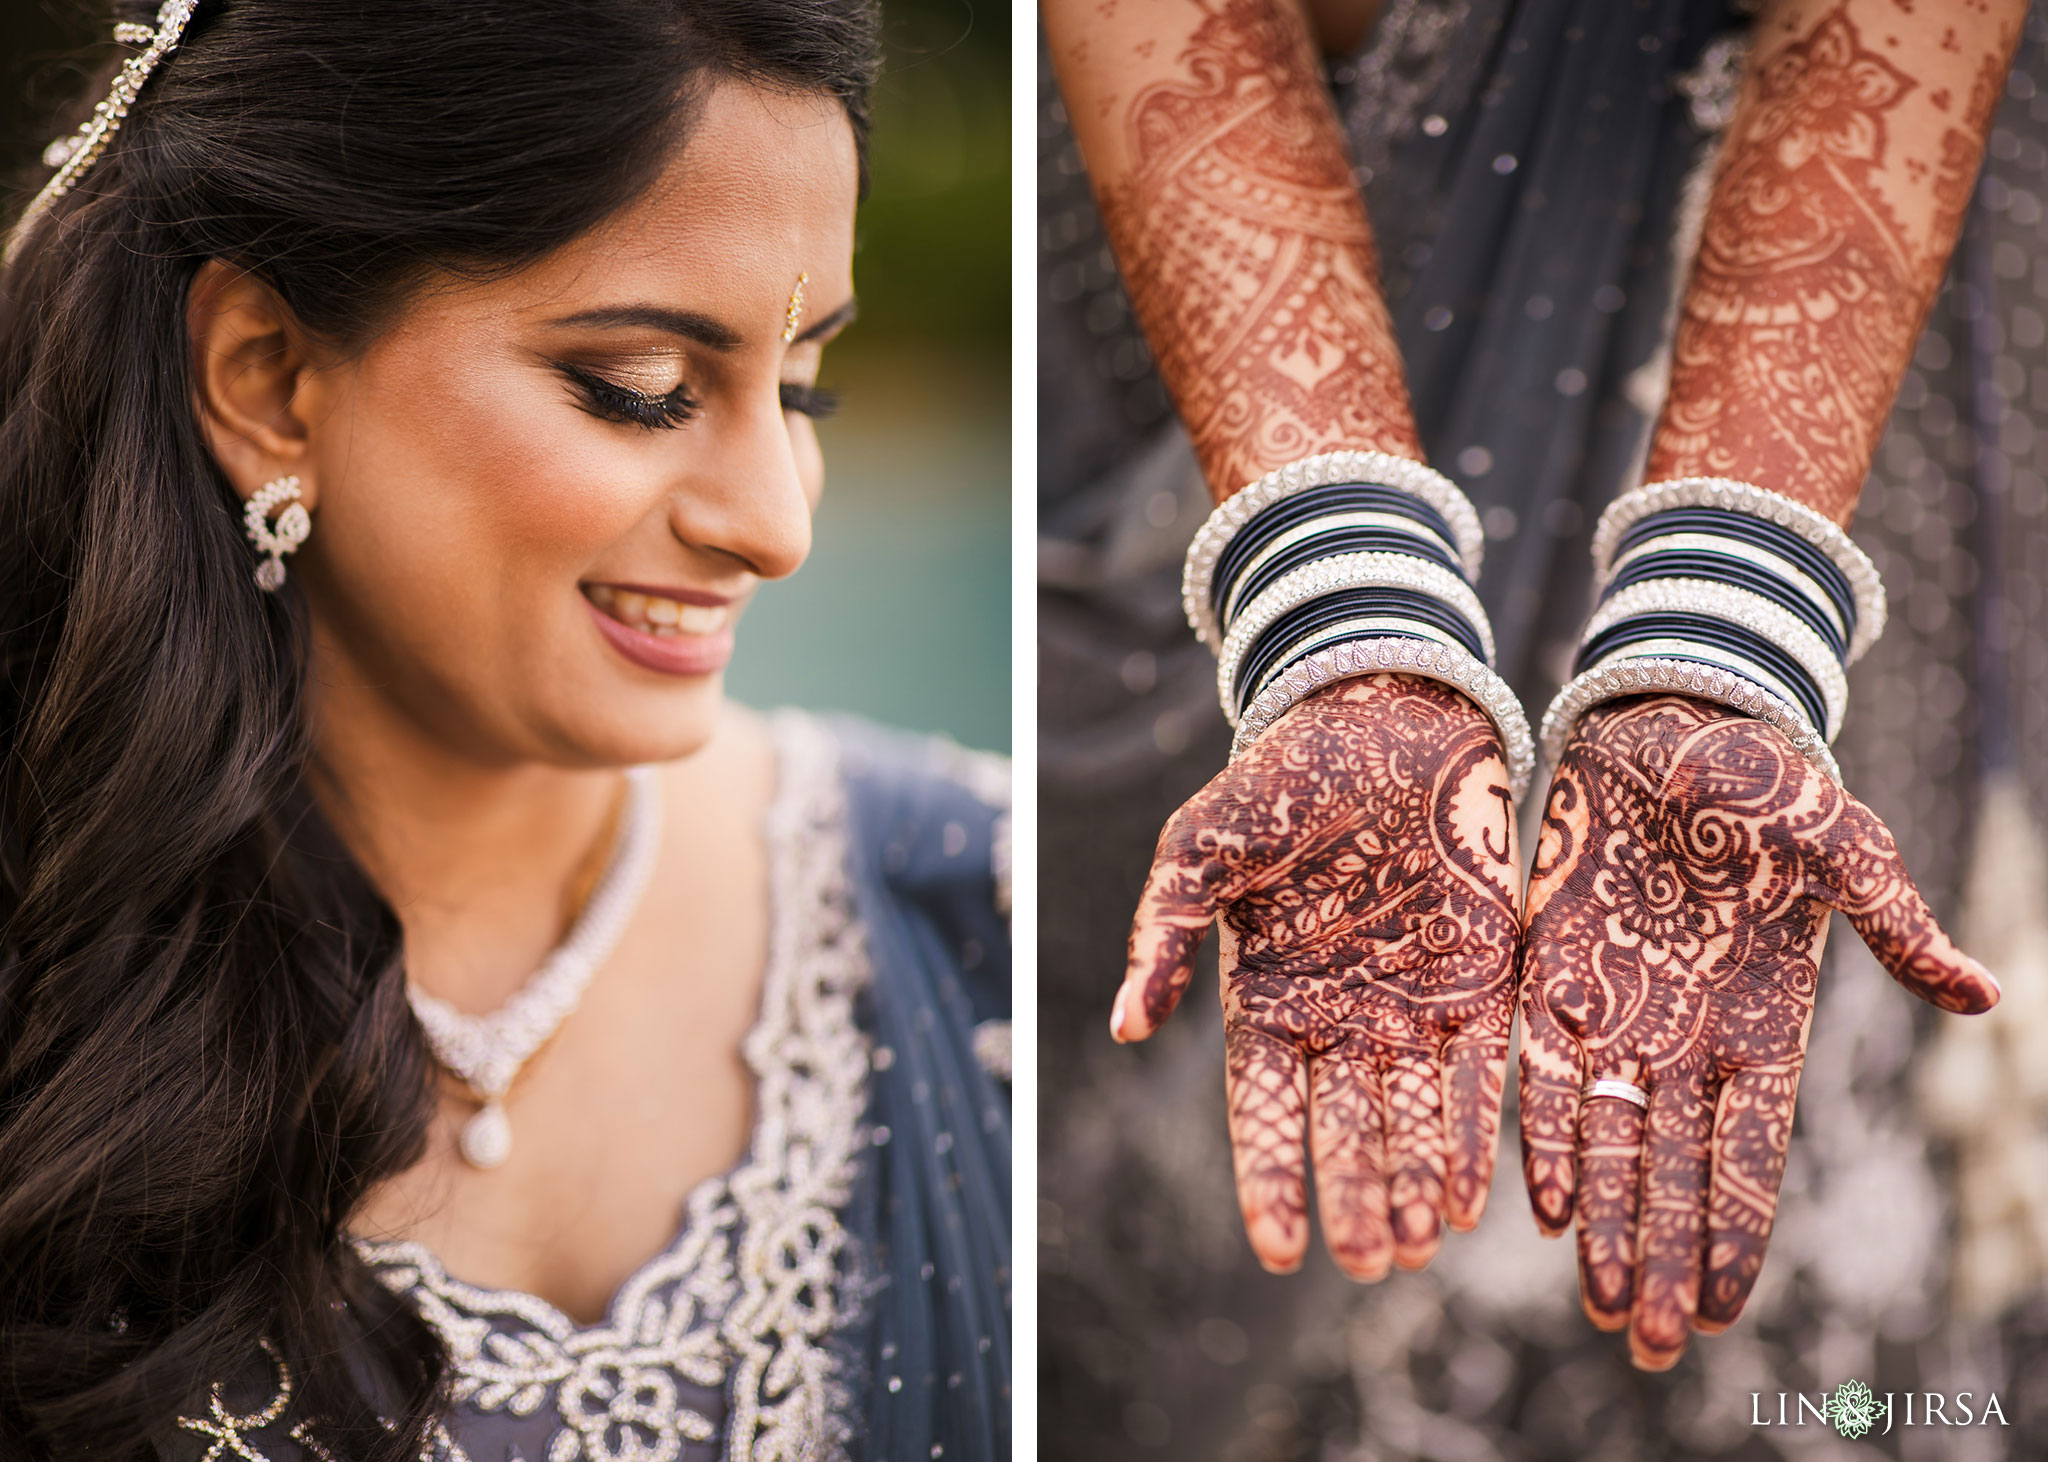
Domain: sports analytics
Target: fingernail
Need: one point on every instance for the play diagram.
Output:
(1116, 1014)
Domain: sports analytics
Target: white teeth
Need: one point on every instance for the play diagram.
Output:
(653, 615)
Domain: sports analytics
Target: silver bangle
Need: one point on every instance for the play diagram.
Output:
(1679, 648)
(1756, 502)
(1778, 568)
(1711, 600)
(1314, 528)
(1626, 677)
(1329, 575)
(1379, 468)
(1443, 663)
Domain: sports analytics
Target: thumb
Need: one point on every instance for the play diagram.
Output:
(1181, 899)
(1867, 881)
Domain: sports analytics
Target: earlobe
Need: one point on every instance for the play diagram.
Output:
(249, 361)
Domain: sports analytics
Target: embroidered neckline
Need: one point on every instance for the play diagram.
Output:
(760, 1313)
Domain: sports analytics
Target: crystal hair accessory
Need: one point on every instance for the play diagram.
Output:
(794, 315)
(485, 1052)
(74, 156)
(293, 526)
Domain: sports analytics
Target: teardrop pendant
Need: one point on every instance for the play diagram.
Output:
(487, 1137)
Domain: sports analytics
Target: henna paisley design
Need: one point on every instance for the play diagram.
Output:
(1840, 193)
(1687, 863)
(1361, 857)
(1226, 190)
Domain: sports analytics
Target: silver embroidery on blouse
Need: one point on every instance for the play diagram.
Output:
(231, 1431)
(613, 1385)
(810, 1061)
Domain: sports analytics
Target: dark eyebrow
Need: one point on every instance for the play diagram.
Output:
(690, 325)
(686, 323)
(825, 324)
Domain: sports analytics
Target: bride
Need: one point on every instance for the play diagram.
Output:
(401, 937)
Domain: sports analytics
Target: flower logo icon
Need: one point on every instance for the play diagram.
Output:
(1852, 1409)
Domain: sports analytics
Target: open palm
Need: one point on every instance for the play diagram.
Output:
(1688, 862)
(1361, 858)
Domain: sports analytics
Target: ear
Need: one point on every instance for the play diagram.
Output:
(252, 362)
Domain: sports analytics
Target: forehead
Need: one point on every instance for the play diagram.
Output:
(763, 173)
(763, 189)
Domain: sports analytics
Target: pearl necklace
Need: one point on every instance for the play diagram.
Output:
(485, 1052)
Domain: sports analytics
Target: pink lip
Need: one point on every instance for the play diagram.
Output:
(676, 655)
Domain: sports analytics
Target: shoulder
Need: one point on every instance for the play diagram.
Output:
(927, 830)
(922, 808)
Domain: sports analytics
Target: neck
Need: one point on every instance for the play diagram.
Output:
(478, 859)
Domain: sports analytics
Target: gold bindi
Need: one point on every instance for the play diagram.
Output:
(794, 315)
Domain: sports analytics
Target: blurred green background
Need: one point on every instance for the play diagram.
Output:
(903, 612)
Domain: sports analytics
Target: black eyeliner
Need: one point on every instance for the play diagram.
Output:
(611, 401)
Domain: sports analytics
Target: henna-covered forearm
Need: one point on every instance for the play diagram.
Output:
(1839, 194)
(1361, 856)
(1226, 191)
(1688, 861)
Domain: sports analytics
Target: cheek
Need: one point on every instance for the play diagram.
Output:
(467, 482)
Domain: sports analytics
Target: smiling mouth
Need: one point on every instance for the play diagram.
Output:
(652, 615)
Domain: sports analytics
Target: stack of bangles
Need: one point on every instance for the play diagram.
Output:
(1341, 565)
(1359, 563)
(1729, 593)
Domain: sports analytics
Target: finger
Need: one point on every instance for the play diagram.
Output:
(1552, 1074)
(1415, 1158)
(1673, 1221)
(1867, 880)
(1475, 1071)
(1752, 1129)
(1178, 905)
(1347, 1134)
(1610, 1176)
(1266, 1084)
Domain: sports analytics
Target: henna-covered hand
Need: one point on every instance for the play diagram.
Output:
(1688, 861)
(1361, 856)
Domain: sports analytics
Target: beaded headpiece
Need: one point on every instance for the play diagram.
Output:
(73, 156)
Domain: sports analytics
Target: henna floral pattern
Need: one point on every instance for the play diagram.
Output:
(1361, 857)
(1245, 247)
(1687, 863)
(1839, 197)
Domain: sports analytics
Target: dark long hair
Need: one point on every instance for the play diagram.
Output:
(206, 1054)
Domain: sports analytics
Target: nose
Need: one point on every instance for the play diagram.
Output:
(745, 498)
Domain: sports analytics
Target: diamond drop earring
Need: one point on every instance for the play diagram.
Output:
(293, 526)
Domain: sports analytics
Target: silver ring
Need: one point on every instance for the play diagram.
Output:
(1614, 1086)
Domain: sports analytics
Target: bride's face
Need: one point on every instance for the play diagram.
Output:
(542, 502)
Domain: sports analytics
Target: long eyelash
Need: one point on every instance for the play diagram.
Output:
(613, 402)
(811, 401)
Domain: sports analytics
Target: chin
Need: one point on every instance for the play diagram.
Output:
(653, 729)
